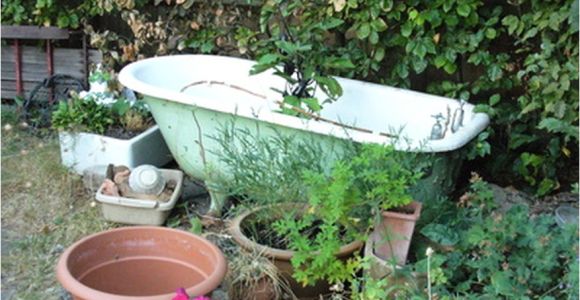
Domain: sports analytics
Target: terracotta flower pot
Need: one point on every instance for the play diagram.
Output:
(395, 231)
(140, 263)
(281, 258)
(380, 269)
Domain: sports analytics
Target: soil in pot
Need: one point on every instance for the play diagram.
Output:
(123, 133)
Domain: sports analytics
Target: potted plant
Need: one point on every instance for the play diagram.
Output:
(385, 176)
(274, 195)
(101, 127)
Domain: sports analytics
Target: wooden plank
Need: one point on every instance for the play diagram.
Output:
(66, 61)
(26, 32)
(9, 88)
(34, 68)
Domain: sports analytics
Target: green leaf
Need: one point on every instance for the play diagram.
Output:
(452, 20)
(363, 31)
(530, 33)
(379, 25)
(419, 65)
(450, 68)
(196, 226)
(448, 5)
(546, 185)
(439, 61)
(502, 283)
(475, 235)
(339, 63)
(511, 22)
(379, 54)
(331, 23)
(312, 104)
(440, 234)
(463, 9)
(558, 126)
(62, 21)
(269, 59)
(420, 50)
(494, 72)
(573, 17)
(259, 68)
(494, 99)
(374, 38)
(406, 29)
(329, 85)
(490, 33)
(292, 100)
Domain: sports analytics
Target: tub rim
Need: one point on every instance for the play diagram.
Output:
(129, 78)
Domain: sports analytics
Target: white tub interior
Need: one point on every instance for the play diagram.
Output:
(377, 109)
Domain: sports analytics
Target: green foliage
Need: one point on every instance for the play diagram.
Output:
(203, 40)
(99, 76)
(266, 170)
(399, 285)
(86, 114)
(385, 175)
(82, 115)
(60, 13)
(340, 207)
(297, 50)
(516, 60)
(331, 203)
(196, 225)
(504, 255)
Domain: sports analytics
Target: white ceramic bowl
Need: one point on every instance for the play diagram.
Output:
(147, 179)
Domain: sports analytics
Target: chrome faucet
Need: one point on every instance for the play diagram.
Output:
(457, 120)
(437, 131)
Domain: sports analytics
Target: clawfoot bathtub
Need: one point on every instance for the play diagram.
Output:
(191, 95)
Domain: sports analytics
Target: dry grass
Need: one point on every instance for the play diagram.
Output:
(253, 276)
(44, 210)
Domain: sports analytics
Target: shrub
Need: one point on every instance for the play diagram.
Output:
(512, 254)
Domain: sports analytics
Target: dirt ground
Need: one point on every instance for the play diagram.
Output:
(45, 209)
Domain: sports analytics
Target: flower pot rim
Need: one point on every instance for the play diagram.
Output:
(136, 138)
(369, 252)
(414, 205)
(235, 231)
(72, 285)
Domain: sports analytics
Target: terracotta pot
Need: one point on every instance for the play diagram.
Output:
(281, 258)
(394, 232)
(140, 263)
(262, 289)
(380, 269)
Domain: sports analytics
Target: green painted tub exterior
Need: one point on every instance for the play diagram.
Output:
(189, 119)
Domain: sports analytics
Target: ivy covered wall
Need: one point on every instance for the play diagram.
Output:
(516, 59)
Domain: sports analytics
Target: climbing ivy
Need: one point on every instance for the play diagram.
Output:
(517, 60)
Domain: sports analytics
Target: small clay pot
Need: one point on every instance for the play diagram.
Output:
(281, 258)
(380, 269)
(140, 263)
(395, 231)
